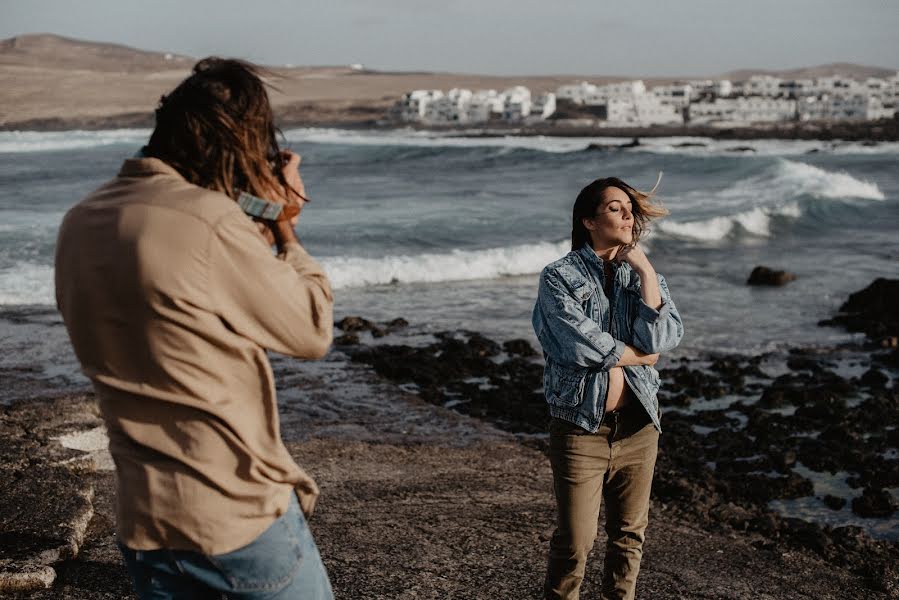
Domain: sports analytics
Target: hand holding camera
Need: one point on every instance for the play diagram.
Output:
(279, 212)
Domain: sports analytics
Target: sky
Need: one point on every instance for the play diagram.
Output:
(499, 37)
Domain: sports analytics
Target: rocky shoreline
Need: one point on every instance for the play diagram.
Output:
(736, 438)
(435, 484)
(370, 117)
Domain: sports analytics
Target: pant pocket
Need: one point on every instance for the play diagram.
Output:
(269, 562)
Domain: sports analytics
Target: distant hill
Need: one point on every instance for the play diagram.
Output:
(844, 69)
(53, 82)
(46, 50)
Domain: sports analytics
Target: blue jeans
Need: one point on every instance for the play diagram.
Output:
(283, 563)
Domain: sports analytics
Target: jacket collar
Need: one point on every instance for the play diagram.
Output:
(591, 259)
(589, 255)
(145, 167)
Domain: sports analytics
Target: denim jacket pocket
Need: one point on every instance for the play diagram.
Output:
(564, 386)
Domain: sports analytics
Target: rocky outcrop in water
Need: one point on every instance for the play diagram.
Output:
(873, 310)
(766, 276)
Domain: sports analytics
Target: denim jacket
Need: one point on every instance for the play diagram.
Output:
(583, 333)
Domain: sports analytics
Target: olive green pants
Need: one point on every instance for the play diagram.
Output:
(614, 464)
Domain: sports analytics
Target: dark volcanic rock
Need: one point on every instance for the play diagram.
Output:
(834, 502)
(347, 339)
(519, 348)
(874, 503)
(874, 378)
(459, 370)
(873, 310)
(356, 324)
(350, 324)
(804, 389)
(766, 276)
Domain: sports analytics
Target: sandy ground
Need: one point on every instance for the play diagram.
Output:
(418, 502)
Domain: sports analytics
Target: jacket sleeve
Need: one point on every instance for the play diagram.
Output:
(566, 333)
(282, 303)
(659, 330)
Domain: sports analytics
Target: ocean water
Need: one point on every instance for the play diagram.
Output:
(451, 232)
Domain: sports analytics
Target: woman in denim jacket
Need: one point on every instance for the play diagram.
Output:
(603, 316)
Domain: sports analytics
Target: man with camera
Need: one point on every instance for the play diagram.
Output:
(172, 296)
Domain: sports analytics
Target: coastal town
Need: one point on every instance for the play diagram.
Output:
(758, 99)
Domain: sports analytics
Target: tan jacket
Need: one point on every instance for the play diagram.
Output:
(171, 298)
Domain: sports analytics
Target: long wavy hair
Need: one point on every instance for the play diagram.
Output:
(217, 129)
(591, 197)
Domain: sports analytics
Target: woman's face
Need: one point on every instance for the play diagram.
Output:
(613, 222)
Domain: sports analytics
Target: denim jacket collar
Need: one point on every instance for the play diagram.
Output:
(591, 259)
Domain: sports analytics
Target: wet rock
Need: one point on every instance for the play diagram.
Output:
(350, 324)
(834, 502)
(801, 389)
(395, 324)
(519, 347)
(694, 383)
(783, 460)
(873, 310)
(874, 503)
(459, 370)
(803, 363)
(760, 489)
(347, 339)
(874, 378)
(809, 535)
(740, 149)
(765, 276)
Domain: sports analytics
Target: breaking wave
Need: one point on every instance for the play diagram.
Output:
(755, 222)
(51, 141)
(800, 178)
(457, 265)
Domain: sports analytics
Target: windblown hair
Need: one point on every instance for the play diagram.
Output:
(217, 129)
(591, 197)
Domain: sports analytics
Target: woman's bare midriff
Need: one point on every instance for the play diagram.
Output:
(618, 394)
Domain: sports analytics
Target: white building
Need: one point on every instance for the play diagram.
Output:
(796, 88)
(576, 92)
(677, 94)
(516, 103)
(484, 105)
(412, 106)
(543, 106)
(743, 110)
(844, 107)
(762, 85)
(641, 110)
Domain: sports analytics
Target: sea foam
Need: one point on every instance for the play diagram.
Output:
(27, 283)
(457, 265)
(756, 221)
(51, 141)
(801, 178)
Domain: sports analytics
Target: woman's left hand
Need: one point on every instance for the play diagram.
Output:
(635, 257)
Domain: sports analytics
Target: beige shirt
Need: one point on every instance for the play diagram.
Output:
(171, 297)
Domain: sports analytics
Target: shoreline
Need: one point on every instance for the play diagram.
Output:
(459, 492)
(369, 118)
(420, 503)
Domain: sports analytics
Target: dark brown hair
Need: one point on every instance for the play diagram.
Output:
(217, 129)
(591, 197)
